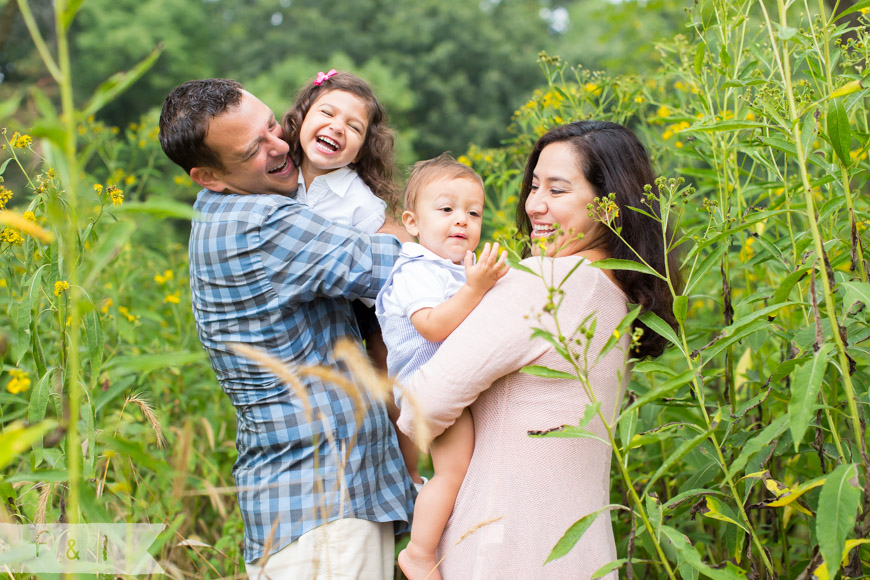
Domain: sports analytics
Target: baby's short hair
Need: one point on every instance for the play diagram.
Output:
(442, 167)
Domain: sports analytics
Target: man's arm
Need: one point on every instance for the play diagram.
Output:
(308, 257)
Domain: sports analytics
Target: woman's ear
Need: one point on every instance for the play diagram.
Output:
(410, 222)
(208, 178)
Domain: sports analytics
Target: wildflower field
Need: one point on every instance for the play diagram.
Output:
(740, 453)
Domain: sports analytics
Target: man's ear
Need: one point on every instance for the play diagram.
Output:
(208, 178)
(410, 222)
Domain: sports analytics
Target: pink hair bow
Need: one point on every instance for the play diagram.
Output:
(322, 76)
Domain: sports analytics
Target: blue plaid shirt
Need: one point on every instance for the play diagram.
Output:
(268, 272)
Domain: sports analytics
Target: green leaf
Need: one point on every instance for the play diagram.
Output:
(39, 398)
(118, 83)
(574, 533)
(838, 507)
(722, 126)
(47, 476)
(804, 393)
(617, 264)
(622, 329)
(739, 334)
(693, 558)
(25, 308)
(675, 456)
(652, 320)
(651, 366)
(718, 510)
(150, 362)
(855, 292)
(662, 390)
(784, 288)
(707, 263)
(681, 308)
(70, 11)
(838, 130)
(546, 372)
(724, 55)
(158, 207)
(94, 337)
(608, 568)
(700, 53)
(516, 265)
(107, 249)
(17, 439)
(808, 134)
(757, 443)
(854, 8)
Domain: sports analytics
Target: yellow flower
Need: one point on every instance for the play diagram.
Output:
(29, 216)
(592, 88)
(2, 282)
(750, 116)
(98, 188)
(107, 303)
(11, 236)
(19, 382)
(21, 141)
(60, 287)
(679, 85)
(130, 180)
(5, 196)
(463, 159)
(174, 298)
(615, 333)
(163, 278)
(667, 134)
(663, 112)
(865, 10)
(639, 99)
(126, 312)
(185, 179)
(678, 144)
(115, 194)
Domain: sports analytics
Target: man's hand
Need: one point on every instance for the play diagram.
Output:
(489, 269)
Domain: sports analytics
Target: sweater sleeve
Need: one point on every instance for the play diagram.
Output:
(494, 341)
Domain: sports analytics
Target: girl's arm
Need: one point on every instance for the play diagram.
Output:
(436, 323)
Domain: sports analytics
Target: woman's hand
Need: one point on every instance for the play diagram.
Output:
(489, 269)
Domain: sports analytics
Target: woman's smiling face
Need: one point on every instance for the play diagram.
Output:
(558, 197)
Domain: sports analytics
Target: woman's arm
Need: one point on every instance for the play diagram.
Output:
(495, 340)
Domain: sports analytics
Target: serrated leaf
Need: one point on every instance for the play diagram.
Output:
(700, 53)
(722, 126)
(838, 508)
(805, 391)
(784, 288)
(651, 366)
(789, 495)
(516, 265)
(662, 390)
(574, 533)
(855, 292)
(854, 8)
(546, 372)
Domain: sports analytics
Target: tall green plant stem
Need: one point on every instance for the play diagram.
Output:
(843, 359)
(626, 477)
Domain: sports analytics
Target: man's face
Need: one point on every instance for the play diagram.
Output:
(251, 147)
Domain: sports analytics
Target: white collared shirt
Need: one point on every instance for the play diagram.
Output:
(343, 197)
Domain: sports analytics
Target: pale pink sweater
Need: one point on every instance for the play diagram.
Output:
(538, 487)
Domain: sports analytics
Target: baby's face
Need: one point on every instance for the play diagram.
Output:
(447, 217)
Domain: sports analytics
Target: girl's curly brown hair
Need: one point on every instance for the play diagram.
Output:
(376, 162)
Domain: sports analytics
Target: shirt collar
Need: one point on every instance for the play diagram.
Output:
(415, 250)
(337, 181)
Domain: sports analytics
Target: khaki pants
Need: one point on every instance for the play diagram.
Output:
(343, 549)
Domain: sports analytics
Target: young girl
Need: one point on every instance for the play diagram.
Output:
(340, 140)
(434, 285)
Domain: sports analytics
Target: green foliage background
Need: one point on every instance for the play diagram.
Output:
(741, 453)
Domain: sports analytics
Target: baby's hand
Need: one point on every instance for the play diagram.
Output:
(491, 267)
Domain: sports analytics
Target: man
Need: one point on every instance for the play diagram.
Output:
(265, 271)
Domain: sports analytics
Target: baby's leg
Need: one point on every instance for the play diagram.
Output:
(406, 446)
(451, 454)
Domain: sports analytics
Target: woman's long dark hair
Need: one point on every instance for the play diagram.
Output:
(613, 160)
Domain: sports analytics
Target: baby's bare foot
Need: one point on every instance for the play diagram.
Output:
(417, 564)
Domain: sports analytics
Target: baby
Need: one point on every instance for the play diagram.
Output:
(433, 287)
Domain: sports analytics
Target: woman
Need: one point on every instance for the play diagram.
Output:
(521, 493)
